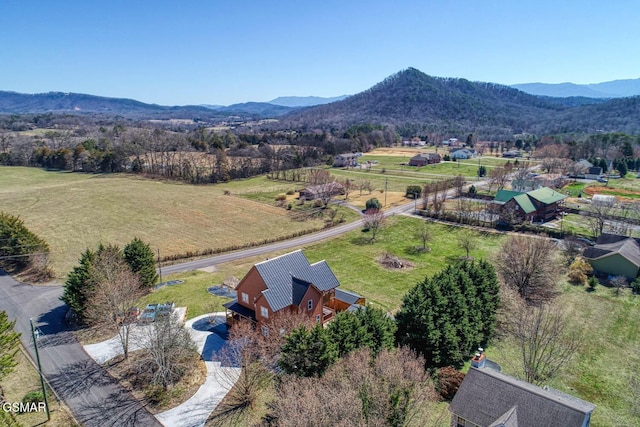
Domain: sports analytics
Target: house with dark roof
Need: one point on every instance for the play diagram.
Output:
(346, 159)
(615, 255)
(538, 205)
(488, 398)
(594, 172)
(424, 159)
(319, 191)
(290, 282)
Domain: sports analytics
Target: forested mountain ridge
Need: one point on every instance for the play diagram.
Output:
(61, 102)
(411, 97)
(612, 89)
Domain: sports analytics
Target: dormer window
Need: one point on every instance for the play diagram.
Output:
(264, 312)
(245, 297)
(310, 304)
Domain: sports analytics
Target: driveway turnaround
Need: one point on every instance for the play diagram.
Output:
(94, 398)
(209, 334)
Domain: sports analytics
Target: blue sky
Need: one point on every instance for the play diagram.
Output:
(224, 52)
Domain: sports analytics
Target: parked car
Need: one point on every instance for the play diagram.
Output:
(149, 313)
(165, 309)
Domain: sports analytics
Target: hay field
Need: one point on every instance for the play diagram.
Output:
(73, 211)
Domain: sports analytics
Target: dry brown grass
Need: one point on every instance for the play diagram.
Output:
(75, 211)
(123, 371)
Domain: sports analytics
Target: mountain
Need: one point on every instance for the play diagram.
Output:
(263, 109)
(304, 101)
(60, 102)
(612, 89)
(412, 96)
(416, 102)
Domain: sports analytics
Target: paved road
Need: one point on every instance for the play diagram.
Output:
(94, 398)
(286, 244)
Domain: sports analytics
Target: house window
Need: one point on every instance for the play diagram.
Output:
(264, 311)
(245, 297)
(310, 305)
(265, 331)
(318, 318)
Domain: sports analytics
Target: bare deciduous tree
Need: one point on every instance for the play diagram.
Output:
(115, 290)
(425, 234)
(373, 220)
(466, 241)
(169, 350)
(392, 390)
(530, 266)
(498, 177)
(545, 339)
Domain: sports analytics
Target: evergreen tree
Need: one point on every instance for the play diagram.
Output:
(370, 327)
(307, 353)
(622, 168)
(78, 284)
(9, 346)
(19, 247)
(373, 203)
(446, 317)
(139, 257)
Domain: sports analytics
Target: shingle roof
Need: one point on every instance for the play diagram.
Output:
(610, 244)
(288, 276)
(508, 419)
(487, 396)
(595, 170)
(546, 195)
(346, 296)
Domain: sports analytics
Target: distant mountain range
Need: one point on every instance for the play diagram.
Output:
(410, 99)
(305, 101)
(612, 89)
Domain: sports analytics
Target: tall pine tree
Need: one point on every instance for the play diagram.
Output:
(139, 256)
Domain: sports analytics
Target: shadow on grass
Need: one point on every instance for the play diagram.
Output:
(361, 240)
(416, 250)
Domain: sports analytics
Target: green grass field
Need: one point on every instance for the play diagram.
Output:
(73, 211)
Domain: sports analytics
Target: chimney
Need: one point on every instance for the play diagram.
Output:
(478, 361)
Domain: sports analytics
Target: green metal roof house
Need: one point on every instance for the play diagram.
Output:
(537, 205)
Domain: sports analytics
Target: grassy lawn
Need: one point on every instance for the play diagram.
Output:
(25, 379)
(610, 356)
(353, 260)
(73, 211)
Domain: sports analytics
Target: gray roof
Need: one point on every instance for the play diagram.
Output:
(346, 296)
(595, 170)
(288, 277)
(611, 244)
(487, 397)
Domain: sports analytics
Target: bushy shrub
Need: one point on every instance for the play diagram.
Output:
(449, 380)
(579, 271)
(290, 193)
(281, 197)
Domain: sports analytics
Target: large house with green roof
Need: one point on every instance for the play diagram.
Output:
(539, 205)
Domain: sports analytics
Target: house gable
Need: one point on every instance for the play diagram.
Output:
(486, 397)
(252, 285)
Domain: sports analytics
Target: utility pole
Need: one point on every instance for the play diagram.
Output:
(159, 266)
(386, 182)
(44, 390)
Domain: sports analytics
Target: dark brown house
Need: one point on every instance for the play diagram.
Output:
(290, 282)
(424, 159)
(542, 204)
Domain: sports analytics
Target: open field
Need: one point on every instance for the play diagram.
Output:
(73, 211)
(353, 260)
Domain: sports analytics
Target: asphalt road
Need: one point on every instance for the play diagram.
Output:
(93, 396)
(286, 244)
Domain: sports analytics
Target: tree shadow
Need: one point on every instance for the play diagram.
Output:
(416, 250)
(53, 328)
(361, 240)
(77, 378)
(118, 409)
